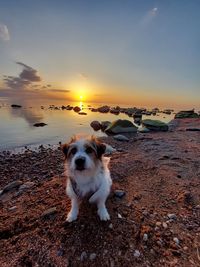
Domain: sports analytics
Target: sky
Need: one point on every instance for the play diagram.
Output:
(140, 53)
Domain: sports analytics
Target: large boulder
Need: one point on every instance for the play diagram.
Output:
(121, 126)
(77, 109)
(155, 125)
(186, 114)
(104, 109)
(104, 125)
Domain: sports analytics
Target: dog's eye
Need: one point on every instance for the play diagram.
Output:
(89, 150)
(73, 151)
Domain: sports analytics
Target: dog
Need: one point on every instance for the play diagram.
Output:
(88, 175)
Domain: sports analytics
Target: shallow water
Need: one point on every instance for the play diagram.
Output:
(17, 130)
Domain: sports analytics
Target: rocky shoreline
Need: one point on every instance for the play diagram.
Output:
(154, 205)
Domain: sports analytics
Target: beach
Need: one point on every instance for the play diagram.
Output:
(154, 205)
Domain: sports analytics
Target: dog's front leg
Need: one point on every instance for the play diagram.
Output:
(100, 198)
(72, 215)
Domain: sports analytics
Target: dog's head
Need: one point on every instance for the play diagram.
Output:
(83, 154)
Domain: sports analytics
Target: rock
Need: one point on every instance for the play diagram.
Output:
(143, 130)
(95, 125)
(83, 256)
(164, 225)
(145, 237)
(93, 256)
(121, 126)
(136, 253)
(186, 114)
(11, 186)
(114, 111)
(119, 216)
(16, 106)
(120, 137)
(110, 226)
(155, 125)
(39, 124)
(172, 216)
(77, 109)
(104, 109)
(158, 224)
(26, 186)
(109, 149)
(104, 125)
(12, 208)
(193, 129)
(119, 193)
(176, 240)
(82, 113)
(47, 214)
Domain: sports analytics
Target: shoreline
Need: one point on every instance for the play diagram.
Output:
(156, 222)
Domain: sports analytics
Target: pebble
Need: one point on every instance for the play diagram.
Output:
(83, 256)
(172, 216)
(12, 208)
(176, 240)
(145, 237)
(120, 137)
(119, 216)
(164, 225)
(119, 193)
(11, 186)
(26, 186)
(136, 253)
(110, 226)
(93, 256)
(185, 248)
(158, 224)
(48, 213)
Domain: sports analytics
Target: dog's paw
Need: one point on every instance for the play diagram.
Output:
(71, 217)
(103, 215)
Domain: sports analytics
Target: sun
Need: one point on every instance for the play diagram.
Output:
(81, 97)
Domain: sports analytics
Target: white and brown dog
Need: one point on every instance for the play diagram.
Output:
(88, 175)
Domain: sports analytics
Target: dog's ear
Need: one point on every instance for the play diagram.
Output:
(101, 149)
(65, 149)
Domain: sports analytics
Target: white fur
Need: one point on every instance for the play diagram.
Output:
(94, 179)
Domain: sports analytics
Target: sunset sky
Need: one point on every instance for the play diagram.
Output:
(142, 53)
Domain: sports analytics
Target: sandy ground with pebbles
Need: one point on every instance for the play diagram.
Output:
(156, 223)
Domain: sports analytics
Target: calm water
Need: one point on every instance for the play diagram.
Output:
(17, 130)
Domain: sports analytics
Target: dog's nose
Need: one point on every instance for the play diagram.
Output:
(80, 162)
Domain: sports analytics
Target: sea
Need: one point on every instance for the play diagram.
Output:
(17, 131)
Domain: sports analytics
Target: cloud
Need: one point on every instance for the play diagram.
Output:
(83, 76)
(150, 15)
(59, 90)
(4, 33)
(26, 77)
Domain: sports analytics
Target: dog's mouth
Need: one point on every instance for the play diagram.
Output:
(80, 168)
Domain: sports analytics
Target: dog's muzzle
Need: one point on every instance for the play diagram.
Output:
(80, 163)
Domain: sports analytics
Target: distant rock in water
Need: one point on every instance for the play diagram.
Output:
(77, 109)
(15, 106)
(186, 114)
(121, 126)
(39, 124)
(104, 109)
(82, 113)
(155, 125)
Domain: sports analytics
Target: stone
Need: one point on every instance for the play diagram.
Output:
(93, 256)
(12, 208)
(176, 240)
(155, 125)
(83, 256)
(164, 225)
(77, 109)
(136, 253)
(104, 109)
(110, 226)
(119, 193)
(104, 125)
(186, 114)
(145, 237)
(95, 125)
(119, 216)
(11, 186)
(49, 213)
(121, 126)
(26, 186)
(120, 137)
(109, 149)
(82, 113)
(16, 106)
(172, 216)
(39, 124)
(143, 130)
(158, 224)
